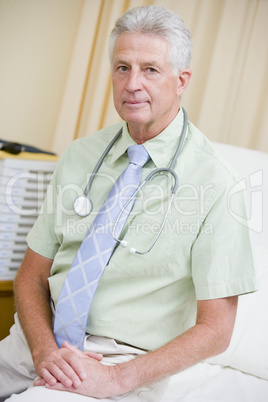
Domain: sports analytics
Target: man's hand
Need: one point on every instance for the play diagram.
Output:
(209, 336)
(64, 366)
(90, 377)
(51, 363)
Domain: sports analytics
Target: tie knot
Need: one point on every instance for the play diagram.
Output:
(138, 155)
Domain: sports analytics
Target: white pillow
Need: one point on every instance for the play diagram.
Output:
(248, 350)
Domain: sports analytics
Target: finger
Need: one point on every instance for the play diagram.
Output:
(67, 368)
(76, 351)
(60, 387)
(76, 365)
(93, 355)
(39, 382)
(60, 372)
(62, 366)
(47, 377)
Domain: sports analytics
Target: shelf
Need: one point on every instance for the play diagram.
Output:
(7, 307)
(6, 286)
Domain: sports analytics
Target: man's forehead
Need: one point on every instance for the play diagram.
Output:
(137, 38)
(145, 46)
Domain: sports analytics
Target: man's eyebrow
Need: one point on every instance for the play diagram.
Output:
(120, 61)
(152, 63)
(146, 63)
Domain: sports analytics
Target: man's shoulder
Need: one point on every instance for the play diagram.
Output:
(206, 155)
(86, 151)
(100, 138)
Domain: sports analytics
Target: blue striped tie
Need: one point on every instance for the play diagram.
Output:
(94, 253)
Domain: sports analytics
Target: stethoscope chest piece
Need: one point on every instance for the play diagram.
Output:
(82, 205)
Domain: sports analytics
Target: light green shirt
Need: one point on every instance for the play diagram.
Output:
(203, 252)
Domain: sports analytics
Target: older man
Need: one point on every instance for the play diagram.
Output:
(155, 314)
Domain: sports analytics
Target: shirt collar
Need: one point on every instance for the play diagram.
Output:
(162, 147)
(167, 140)
(122, 144)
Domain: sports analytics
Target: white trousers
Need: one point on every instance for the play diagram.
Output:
(17, 371)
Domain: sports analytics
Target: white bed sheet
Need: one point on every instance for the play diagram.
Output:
(212, 383)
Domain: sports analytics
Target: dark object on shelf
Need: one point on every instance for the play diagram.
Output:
(16, 148)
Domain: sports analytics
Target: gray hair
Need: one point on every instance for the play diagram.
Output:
(159, 21)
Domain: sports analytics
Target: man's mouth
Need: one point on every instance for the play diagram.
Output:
(133, 103)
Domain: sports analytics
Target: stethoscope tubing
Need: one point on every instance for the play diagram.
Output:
(169, 170)
(113, 141)
(100, 161)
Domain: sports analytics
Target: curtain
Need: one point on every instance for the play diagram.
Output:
(227, 96)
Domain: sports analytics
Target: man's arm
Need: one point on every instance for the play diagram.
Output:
(210, 336)
(33, 307)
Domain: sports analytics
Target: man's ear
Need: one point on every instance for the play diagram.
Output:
(184, 79)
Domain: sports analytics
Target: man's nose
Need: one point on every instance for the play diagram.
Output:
(134, 81)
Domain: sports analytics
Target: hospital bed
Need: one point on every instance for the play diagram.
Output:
(241, 373)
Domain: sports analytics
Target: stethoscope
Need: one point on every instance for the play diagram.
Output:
(83, 205)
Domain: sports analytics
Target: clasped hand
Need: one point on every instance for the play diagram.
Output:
(69, 369)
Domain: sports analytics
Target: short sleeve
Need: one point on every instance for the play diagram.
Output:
(42, 237)
(222, 258)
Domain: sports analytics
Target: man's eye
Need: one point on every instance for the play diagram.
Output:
(151, 70)
(122, 68)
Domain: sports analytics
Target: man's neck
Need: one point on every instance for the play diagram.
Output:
(142, 133)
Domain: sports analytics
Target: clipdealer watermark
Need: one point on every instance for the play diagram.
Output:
(25, 192)
(253, 185)
(175, 227)
(191, 202)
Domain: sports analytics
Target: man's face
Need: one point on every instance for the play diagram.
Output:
(146, 92)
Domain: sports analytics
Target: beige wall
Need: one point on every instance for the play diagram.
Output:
(55, 79)
(36, 44)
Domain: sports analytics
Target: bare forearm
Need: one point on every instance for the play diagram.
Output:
(207, 338)
(210, 336)
(183, 352)
(33, 307)
(34, 312)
